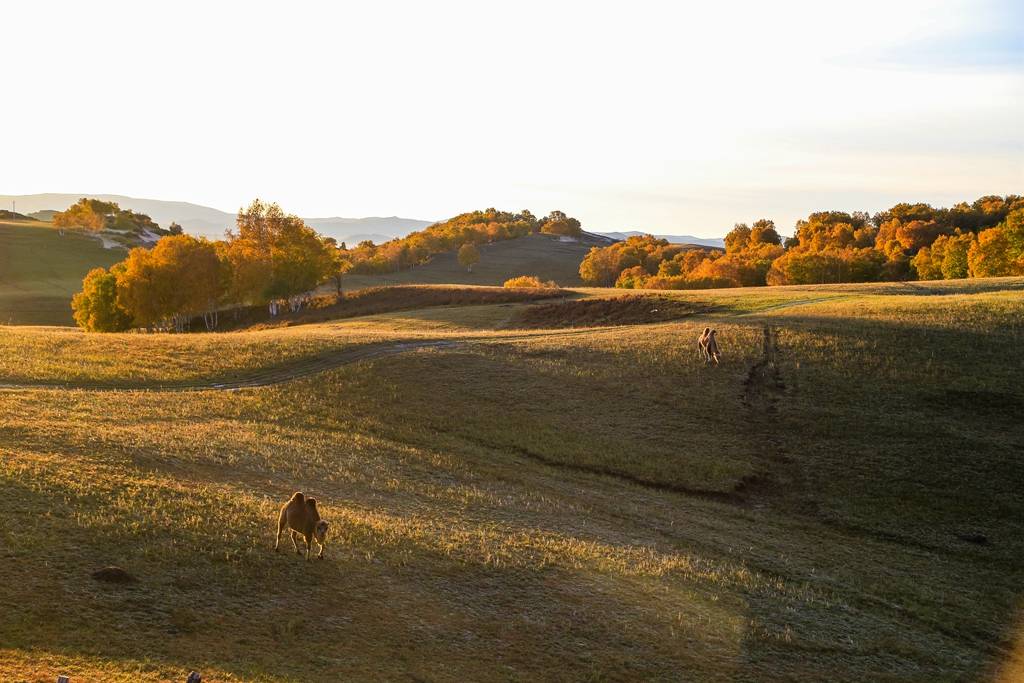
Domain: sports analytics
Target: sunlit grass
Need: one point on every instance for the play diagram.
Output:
(586, 505)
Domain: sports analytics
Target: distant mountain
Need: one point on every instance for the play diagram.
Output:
(355, 230)
(209, 222)
(674, 239)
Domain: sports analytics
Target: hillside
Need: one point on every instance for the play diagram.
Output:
(590, 503)
(542, 255)
(40, 270)
(210, 222)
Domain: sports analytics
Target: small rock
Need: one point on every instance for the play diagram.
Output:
(113, 575)
(974, 537)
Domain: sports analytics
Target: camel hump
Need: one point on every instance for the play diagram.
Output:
(297, 497)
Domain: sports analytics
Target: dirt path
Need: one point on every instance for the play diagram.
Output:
(795, 302)
(290, 370)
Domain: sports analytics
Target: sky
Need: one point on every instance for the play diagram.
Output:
(666, 117)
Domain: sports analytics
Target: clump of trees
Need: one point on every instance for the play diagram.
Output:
(529, 282)
(981, 239)
(271, 258)
(474, 228)
(557, 223)
(96, 215)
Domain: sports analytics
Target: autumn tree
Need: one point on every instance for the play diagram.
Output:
(96, 308)
(1000, 250)
(557, 223)
(96, 215)
(275, 255)
(469, 255)
(177, 279)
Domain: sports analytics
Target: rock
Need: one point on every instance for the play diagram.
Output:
(113, 575)
(974, 537)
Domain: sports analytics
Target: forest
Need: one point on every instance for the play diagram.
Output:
(908, 241)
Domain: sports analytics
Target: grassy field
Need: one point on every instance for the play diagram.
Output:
(540, 255)
(839, 500)
(40, 270)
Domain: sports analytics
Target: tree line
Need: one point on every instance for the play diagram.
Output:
(463, 233)
(908, 241)
(97, 215)
(270, 258)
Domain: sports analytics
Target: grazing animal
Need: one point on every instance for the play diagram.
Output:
(711, 348)
(301, 516)
(702, 345)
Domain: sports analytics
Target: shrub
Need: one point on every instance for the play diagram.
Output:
(530, 282)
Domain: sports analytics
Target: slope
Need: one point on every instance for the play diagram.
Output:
(594, 506)
(41, 269)
(542, 255)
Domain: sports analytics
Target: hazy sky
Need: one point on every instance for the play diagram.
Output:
(663, 117)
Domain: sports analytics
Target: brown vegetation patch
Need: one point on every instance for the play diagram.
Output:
(624, 310)
(981, 402)
(113, 575)
(374, 301)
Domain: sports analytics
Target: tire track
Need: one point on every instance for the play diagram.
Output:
(292, 370)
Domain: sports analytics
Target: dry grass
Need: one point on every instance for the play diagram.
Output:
(593, 505)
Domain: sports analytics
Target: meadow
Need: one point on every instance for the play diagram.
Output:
(511, 498)
(41, 269)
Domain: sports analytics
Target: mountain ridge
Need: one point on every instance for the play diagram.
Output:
(210, 222)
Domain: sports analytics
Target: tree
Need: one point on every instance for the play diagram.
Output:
(174, 229)
(342, 263)
(96, 215)
(737, 238)
(557, 223)
(95, 307)
(763, 232)
(165, 286)
(276, 255)
(468, 256)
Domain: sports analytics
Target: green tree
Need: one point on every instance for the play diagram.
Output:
(96, 308)
(97, 215)
(469, 255)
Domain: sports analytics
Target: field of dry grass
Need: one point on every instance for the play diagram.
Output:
(838, 501)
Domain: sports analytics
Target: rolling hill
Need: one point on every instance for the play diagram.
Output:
(209, 222)
(40, 270)
(545, 504)
(545, 256)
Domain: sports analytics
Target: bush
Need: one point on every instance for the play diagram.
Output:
(96, 308)
(530, 282)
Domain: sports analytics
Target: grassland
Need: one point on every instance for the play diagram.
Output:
(840, 500)
(40, 270)
(541, 255)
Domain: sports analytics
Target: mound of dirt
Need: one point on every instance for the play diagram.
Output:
(622, 310)
(113, 575)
